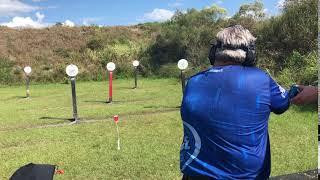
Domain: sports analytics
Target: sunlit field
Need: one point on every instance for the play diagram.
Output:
(38, 130)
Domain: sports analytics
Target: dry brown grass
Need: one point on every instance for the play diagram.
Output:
(48, 50)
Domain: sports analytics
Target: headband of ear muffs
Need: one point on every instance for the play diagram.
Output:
(250, 52)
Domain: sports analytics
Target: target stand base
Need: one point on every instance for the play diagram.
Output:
(109, 101)
(75, 121)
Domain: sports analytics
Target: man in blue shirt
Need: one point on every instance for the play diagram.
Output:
(225, 112)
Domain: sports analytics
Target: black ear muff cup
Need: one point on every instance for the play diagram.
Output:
(213, 50)
(250, 55)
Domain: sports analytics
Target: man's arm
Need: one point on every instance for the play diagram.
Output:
(279, 98)
(308, 94)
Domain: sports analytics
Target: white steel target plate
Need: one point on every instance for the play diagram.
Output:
(111, 66)
(182, 64)
(72, 70)
(27, 69)
(135, 63)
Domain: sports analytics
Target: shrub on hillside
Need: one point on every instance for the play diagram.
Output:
(95, 44)
(300, 69)
(296, 29)
(168, 71)
(62, 52)
(6, 71)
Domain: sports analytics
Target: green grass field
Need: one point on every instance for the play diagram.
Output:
(150, 130)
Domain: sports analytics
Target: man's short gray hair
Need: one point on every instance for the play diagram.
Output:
(234, 36)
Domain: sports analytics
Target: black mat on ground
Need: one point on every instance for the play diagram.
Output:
(34, 172)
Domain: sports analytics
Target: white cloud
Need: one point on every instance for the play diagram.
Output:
(175, 4)
(266, 11)
(38, 0)
(250, 13)
(89, 21)
(68, 23)
(219, 2)
(27, 22)
(158, 15)
(280, 4)
(24, 22)
(52, 7)
(40, 16)
(14, 7)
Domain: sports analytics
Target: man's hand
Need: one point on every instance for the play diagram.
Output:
(308, 94)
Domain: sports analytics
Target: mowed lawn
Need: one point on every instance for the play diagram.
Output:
(150, 130)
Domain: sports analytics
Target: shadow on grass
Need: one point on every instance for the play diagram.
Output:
(157, 107)
(57, 118)
(126, 115)
(306, 108)
(312, 174)
(17, 97)
(107, 102)
(96, 101)
(126, 87)
(85, 119)
(116, 101)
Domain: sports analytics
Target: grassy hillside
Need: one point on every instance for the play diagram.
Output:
(49, 50)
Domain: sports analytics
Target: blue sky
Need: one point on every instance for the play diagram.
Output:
(42, 13)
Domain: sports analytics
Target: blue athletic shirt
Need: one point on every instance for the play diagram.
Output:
(225, 112)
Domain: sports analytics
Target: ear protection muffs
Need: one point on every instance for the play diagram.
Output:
(250, 52)
(250, 55)
(212, 53)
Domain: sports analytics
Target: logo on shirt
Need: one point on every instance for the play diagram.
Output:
(283, 91)
(216, 70)
(191, 145)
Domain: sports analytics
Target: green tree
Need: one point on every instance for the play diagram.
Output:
(296, 29)
(254, 11)
(187, 35)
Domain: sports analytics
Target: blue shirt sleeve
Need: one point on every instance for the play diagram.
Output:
(279, 98)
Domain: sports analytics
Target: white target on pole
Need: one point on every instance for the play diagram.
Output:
(27, 70)
(182, 64)
(72, 70)
(111, 66)
(135, 63)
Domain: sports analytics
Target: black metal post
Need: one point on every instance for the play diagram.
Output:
(183, 81)
(74, 99)
(135, 77)
(27, 86)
